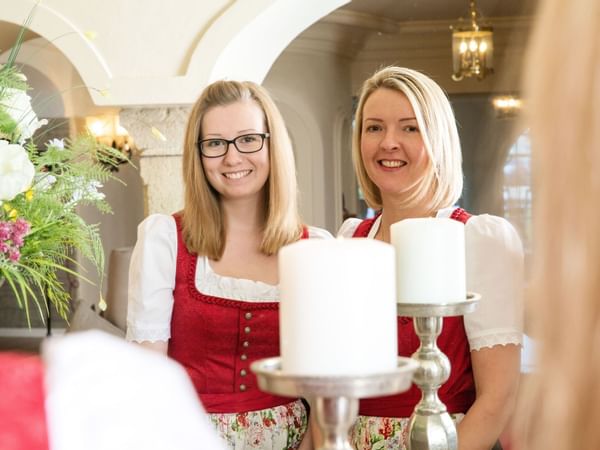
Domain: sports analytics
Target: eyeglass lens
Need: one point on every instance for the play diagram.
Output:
(247, 143)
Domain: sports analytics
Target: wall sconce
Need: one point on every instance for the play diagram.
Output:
(472, 48)
(507, 106)
(108, 131)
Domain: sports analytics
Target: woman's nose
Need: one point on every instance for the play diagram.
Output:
(232, 156)
(390, 140)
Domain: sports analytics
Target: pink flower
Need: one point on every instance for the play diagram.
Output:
(14, 255)
(5, 229)
(21, 227)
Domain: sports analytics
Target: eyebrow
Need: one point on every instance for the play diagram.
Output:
(239, 132)
(403, 119)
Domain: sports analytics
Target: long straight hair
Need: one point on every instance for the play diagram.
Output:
(203, 222)
(442, 184)
(559, 408)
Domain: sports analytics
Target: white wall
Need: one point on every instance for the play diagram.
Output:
(312, 90)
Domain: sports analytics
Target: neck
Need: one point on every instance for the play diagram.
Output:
(244, 215)
(392, 213)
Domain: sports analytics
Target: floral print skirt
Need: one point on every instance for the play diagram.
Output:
(278, 428)
(383, 433)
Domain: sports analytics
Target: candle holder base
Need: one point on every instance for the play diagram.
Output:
(430, 426)
(432, 432)
(334, 398)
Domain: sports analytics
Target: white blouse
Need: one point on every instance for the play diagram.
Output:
(152, 280)
(494, 269)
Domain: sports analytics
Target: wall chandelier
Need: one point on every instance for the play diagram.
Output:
(472, 48)
(108, 131)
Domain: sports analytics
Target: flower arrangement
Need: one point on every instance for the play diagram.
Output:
(41, 188)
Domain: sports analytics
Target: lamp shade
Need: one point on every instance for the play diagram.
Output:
(472, 48)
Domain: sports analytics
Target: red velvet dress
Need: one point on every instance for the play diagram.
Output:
(458, 393)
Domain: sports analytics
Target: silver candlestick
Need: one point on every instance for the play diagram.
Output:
(431, 427)
(334, 398)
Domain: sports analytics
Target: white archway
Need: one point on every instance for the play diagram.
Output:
(54, 27)
(241, 43)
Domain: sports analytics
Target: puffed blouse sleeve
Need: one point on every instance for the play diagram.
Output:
(318, 233)
(494, 264)
(152, 280)
(348, 227)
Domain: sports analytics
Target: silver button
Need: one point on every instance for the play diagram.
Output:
(246, 344)
(244, 357)
(247, 330)
(248, 315)
(242, 387)
(243, 372)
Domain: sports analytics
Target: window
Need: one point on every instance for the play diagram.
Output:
(517, 189)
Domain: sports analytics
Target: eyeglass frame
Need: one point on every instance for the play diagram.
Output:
(232, 141)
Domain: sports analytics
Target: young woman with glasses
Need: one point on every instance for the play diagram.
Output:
(203, 282)
(407, 158)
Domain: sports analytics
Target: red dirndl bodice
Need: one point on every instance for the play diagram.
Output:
(458, 393)
(216, 339)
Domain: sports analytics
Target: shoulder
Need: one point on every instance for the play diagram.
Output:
(349, 227)
(157, 224)
(319, 233)
(493, 230)
(487, 228)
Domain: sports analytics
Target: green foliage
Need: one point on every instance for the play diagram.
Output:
(67, 174)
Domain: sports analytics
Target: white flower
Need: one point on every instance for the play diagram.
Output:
(56, 143)
(16, 170)
(44, 181)
(18, 107)
(86, 192)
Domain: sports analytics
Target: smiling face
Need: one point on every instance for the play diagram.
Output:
(391, 145)
(236, 175)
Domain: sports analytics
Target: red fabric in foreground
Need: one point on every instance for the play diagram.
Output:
(22, 413)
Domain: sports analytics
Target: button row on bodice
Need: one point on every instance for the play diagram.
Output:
(244, 357)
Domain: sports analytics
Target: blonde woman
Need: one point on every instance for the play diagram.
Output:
(408, 161)
(203, 283)
(560, 404)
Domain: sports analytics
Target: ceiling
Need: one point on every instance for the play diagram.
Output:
(390, 10)
(424, 10)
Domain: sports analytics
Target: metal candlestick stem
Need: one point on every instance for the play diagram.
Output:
(431, 427)
(334, 399)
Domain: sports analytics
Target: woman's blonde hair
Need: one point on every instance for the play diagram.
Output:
(202, 216)
(560, 407)
(442, 185)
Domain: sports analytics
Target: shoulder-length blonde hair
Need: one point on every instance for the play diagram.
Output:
(559, 402)
(202, 216)
(442, 185)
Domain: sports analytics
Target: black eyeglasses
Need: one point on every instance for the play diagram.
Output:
(246, 143)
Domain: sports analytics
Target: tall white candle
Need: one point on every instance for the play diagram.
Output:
(430, 260)
(338, 307)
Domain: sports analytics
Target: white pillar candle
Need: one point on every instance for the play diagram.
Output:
(430, 260)
(338, 308)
